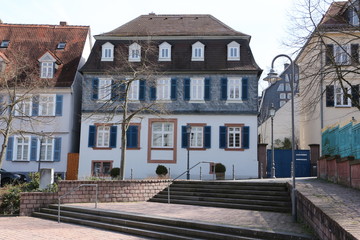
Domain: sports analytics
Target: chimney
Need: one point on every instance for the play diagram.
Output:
(286, 65)
(63, 23)
(152, 14)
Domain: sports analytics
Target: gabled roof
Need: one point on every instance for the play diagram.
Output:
(174, 25)
(35, 40)
(335, 15)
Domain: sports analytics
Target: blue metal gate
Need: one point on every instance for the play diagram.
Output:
(283, 163)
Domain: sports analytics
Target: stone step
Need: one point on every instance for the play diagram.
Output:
(207, 185)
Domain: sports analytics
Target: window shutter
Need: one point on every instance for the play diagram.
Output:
(59, 105)
(114, 90)
(330, 95)
(113, 132)
(244, 89)
(223, 89)
(173, 89)
(33, 148)
(329, 54)
(95, 88)
(207, 137)
(57, 149)
(142, 90)
(207, 89)
(355, 95)
(187, 89)
(153, 93)
(354, 53)
(35, 105)
(132, 137)
(92, 133)
(222, 135)
(9, 149)
(246, 137)
(184, 137)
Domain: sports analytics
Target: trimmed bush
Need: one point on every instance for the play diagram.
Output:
(220, 168)
(161, 170)
(115, 173)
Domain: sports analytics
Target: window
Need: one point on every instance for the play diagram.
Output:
(47, 69)
(104, 89)
(23, 107)
(162, 134)
(134, 53)
(234, 89)
(22, 148)
(107, 52)
(46, 149)
(197, 52)
(47, 105)
(340, 99)
(103, 136)
(234, 137)
(197, 89)
(200, 136)
(233, 51)
(61, 45)
(196, 137)
(4, 44)
(282, 95)
(289, 96)
(280, 87)
(165, 52)
(101, 168)
(282, 103)
(163, 89)
(134, 90)
(341, 54)
(353, 16)
(287, 87)
(234, 134)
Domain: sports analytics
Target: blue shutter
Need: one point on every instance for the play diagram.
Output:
(246, 137)
(114, 90)
(95, 88)
(355, 95)
(132, 136)
(92, 133)
(57, 149)
(121, 90)
(223, 89)
(222, 137)
(142, 90)
(207, 137)
(173, 89)
(33, 148)
(207, 89)
(187, 89)
(113, 132)
(153, 93)
(244, 89)
(184, 137)
(9, 149)
(35, 105)
(59, 105)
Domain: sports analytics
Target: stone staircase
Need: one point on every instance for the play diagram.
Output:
(229, 194)
(151, 227)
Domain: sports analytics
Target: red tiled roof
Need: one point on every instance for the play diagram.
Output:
(35, 40)
(174, 25)
(335, 14)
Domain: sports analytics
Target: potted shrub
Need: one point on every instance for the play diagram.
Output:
(161, 171)
(220, 170)
(114, 173)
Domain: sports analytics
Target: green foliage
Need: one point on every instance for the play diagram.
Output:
(220, 168)
(115, 173)
(161, 170)
(285, 144)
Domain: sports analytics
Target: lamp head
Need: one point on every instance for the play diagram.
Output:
(272, 77)
(272, 110)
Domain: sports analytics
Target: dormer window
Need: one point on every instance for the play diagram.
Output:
(47, 65)
(354, 14)
(197, 52)
(107, 52)
(4, 44)
(134, 53)
(233, 51)
(61, 45)
(165, 52)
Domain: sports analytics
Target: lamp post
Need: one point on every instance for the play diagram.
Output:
(272, 114)
(273, 77)
(41, 146)
(188, 132)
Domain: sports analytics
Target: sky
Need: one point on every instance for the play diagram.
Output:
(264, 20)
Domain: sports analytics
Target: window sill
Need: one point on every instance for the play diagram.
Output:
(165, 149)
(234, 101)
(197, 101)
(164, 60)
(21, 160)
(342, 106)
(234, 149)
(233, 59)
(136, 148)
(101, 148)
(197, 149)
(107, 59)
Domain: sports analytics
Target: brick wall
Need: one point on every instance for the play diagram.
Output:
(108, 191)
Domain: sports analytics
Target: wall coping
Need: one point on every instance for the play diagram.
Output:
(345, 159)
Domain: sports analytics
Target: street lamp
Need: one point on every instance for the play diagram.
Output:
(271, 78)
(41, 146)
(272, 114)
(188, 132)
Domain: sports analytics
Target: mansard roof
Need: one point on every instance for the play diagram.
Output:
(35, 40)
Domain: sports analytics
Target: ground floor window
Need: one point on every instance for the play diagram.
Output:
(101, 168)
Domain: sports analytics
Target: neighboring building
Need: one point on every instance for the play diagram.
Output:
(209, 82)
(47, 120)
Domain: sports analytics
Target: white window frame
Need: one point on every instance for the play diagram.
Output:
(342, 54)
(234, 137)
(197, 137)
(163, 135)
(24, 107)
(163, 89)
(165, 52)
(282, 96)
(197, 86)
(233, 51)
(198, 52)
(47, 69)
(234, 89)
(104, 89)
(103, 136)
(47, 107)
(281, 87)
(107, 52)
(133, 93)
(340, 100)
(24, 156)
(46, 149)
(134, 52)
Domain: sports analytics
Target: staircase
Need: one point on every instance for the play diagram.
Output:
(227, 194)
(151, 227)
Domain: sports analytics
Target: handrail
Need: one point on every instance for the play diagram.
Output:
(74, 189)
(181, 175)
